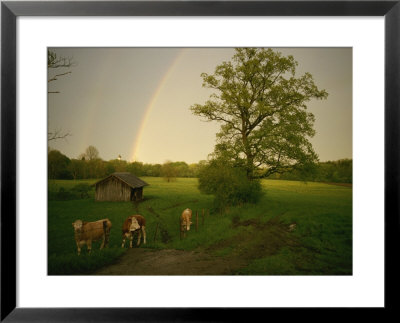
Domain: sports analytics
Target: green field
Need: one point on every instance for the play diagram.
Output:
(320, 244)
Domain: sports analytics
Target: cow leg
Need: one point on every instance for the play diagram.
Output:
(80, 245)
(144, 234)
(103, 242)
(183, 231)
(89, 246)
(123, 242)
(124, 237)
(79, 248)
(139, 237)
(105, 229)
(131, 240)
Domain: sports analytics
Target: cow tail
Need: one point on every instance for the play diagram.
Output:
(106, 231)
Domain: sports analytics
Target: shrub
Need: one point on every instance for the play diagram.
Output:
(79, 191)
(82, 190)
(64, 195)
(228, 184)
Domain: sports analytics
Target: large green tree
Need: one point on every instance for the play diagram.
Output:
(262, 106)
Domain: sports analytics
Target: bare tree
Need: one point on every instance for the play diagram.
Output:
(57, 134)
(55, 62)
(91, 153)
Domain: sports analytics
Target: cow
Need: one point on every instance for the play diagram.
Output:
(86, 232)
(186, 221)
(132, 224)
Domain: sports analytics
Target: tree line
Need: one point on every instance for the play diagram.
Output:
(339, 171)
(90, 166)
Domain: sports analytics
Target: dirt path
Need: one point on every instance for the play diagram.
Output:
(143, 261)
(258, 240)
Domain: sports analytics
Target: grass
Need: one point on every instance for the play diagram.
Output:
(321, 243)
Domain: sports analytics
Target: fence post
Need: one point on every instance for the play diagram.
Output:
(155, 233)
(197, 221)
(180, 229)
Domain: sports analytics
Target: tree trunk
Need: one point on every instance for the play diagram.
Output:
(247, 151)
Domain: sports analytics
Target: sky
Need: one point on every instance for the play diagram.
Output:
(135, 102)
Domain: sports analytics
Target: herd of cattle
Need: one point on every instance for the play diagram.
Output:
(86, 232)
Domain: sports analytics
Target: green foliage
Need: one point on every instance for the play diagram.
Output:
(117, 165)
(135, 168)
(152, 170)
(64, 195)
(77, 168)
(82, 190)
(229, 185)
(58, 165)
(169, 171)
(261, 104)
(61, 167)
(340, 171)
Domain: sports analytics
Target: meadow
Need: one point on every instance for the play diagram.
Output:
(297, 228)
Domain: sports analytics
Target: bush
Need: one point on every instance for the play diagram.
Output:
(82, 190)
(63, 195)
(228, 184)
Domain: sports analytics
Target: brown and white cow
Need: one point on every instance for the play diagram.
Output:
(132, 224)
(86, 232)
(186, 221)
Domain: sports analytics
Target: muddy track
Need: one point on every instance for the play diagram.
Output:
(258, 240)
(144, 261)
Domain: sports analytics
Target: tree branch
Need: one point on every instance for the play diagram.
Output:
(57, 135)
(55, 76)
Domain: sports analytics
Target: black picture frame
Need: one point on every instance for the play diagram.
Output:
(10, 10)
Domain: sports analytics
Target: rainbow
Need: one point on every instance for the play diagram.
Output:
(152, 102)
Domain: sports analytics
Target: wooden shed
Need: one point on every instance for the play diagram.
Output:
(120, 187)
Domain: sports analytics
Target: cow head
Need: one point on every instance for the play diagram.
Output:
(134, 224)
(186, 224)
(78, 224)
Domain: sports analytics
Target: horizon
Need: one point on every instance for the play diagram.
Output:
(175, 161)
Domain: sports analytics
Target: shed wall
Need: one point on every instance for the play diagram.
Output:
(113, 190)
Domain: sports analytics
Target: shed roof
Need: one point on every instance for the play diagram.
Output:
(128, 179)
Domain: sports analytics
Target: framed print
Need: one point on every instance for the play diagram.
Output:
(121, 102)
